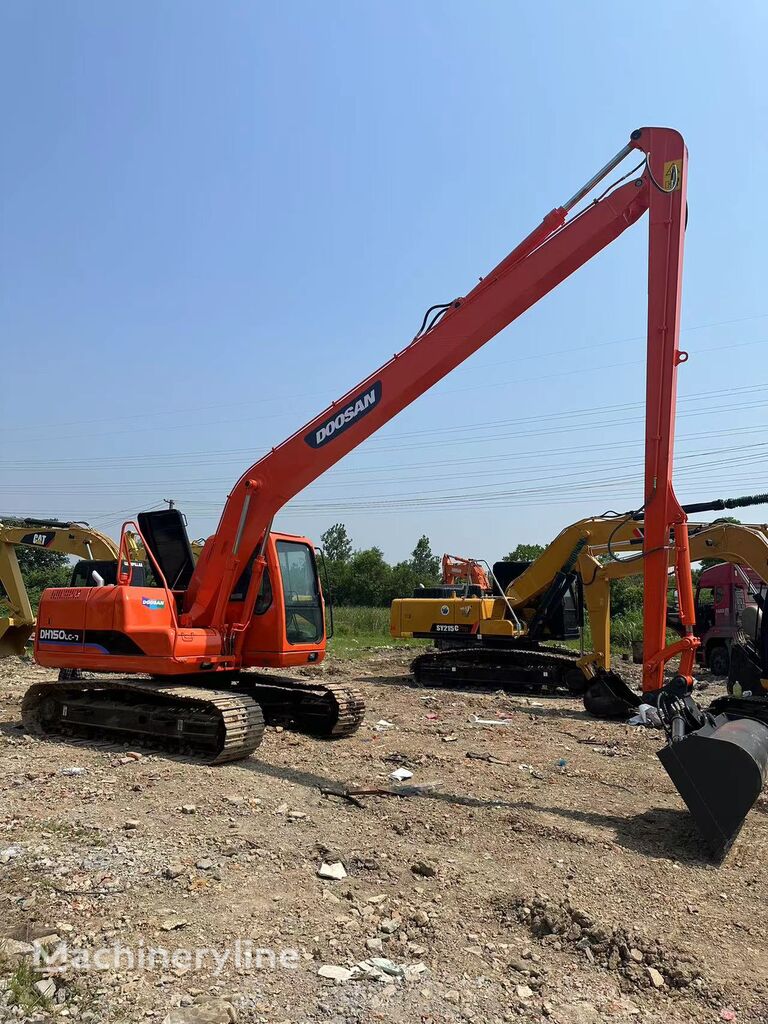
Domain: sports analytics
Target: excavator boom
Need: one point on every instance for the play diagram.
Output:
(552, 252)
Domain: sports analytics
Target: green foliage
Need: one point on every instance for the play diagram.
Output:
(626, 596)
(357, 630)
(363, 578)
(425, 565)
(525, 553)
(336, 544)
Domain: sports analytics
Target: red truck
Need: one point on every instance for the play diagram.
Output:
(722, 598)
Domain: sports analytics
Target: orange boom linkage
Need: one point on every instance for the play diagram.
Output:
(254, 599)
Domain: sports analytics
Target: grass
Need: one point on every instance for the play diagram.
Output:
(358, 630)
(74, 833)
(21, 985)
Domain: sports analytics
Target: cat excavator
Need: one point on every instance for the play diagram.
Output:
(97, 553)
(254, 598)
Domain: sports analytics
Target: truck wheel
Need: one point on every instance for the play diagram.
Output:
(719, 660)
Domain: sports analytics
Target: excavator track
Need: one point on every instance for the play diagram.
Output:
(214, 726)
(523, 670)
(325, 710)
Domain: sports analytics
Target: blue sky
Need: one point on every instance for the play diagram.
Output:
(216, 218)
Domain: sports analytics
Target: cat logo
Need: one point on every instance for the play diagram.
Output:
(445, 610)
(39, 540)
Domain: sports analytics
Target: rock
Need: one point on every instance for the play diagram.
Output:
(656, 978)
(72, 772)
(386, 966)
(389, 926)
(46, 987)
(213, 1011)
(375, 944)
(173, 923)
(335, 871)
(204, 864)
(423, 870)
(412, 972)
(10, 947)
(130, 824)
(580, 1012)
(636, 955)
(335, 972)
(173, 870)
(133, 755)
(188, 809)
(295, 815)
(523, 991)
(421, 918)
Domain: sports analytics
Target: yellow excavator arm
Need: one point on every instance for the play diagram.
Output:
(738, 543)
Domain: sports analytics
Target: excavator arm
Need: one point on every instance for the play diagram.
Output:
(730, 542)
(550, 254)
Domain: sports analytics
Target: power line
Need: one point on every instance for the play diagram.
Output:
(383, 443)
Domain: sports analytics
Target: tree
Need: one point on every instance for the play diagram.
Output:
(367, 579)
(525, 553)
(336, 543)
(424, 564)
(402, 581)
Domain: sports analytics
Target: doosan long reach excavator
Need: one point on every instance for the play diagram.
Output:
(254, 599)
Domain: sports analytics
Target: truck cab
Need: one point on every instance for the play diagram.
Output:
(723, 596)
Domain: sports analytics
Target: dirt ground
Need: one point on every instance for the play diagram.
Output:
(542, 869)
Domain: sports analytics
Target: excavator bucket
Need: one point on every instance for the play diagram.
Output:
(608, 696)
(13, 637)
(719, 771)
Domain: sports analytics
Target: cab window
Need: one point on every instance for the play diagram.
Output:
(301, 593)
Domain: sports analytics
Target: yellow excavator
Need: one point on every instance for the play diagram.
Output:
(97, 553)
(501, 640)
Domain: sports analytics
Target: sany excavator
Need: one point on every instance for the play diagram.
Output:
(97, 553)
(254, 599)
(503, 639)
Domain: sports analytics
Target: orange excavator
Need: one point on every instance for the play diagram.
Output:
(459, 571)
(254, 599)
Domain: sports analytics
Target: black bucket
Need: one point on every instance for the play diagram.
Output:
(719, 771)
(610, 697)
